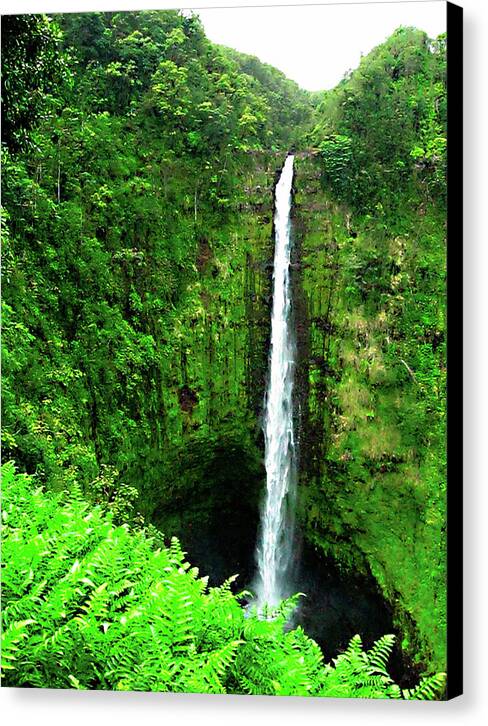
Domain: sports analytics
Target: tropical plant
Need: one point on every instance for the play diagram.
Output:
(89, 604)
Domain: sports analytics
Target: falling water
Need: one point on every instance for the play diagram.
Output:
(274, 552)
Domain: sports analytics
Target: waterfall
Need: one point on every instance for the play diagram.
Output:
(275, 547)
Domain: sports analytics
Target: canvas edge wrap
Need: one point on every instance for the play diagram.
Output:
(454, 350)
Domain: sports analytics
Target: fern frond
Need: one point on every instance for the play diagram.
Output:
(429, 688)
(11, 638)
(380, 652)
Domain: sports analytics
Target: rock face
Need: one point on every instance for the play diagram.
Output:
(370, 488)
(139, 354)
(212, 465)
(372, 477)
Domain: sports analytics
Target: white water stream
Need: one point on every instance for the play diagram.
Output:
(275, 546)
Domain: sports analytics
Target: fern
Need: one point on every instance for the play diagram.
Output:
(11, 638)
(428, 689)
(89, 604)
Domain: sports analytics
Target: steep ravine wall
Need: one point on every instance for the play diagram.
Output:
(136, 346)
(372, 491)
(213, 470)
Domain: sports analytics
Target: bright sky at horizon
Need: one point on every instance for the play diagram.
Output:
(317, 45)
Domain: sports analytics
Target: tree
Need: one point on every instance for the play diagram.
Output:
(32, 68)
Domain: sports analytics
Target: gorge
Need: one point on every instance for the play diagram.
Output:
(145, 218)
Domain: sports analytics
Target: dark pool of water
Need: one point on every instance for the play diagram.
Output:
(336, 606)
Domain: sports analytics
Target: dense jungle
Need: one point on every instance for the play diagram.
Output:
(139, 162)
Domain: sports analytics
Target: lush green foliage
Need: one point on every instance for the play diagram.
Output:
(134, 254)
(385, 124)
(89, 604)
(371, 208)
(138, 167)
(29, 77)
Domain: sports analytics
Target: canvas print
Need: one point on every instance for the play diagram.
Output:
(224, 351)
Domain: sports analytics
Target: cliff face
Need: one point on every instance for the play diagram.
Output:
(372, 479)
(212, 467)
(150, 354)
(138, 195)
(136, 340)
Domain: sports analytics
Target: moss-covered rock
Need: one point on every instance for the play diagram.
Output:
(371, 385)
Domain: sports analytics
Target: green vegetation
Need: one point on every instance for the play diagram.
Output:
(134, 259)
(370, 209)
(89, 604)
(137, 182)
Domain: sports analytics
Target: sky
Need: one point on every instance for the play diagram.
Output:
(314, 45)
